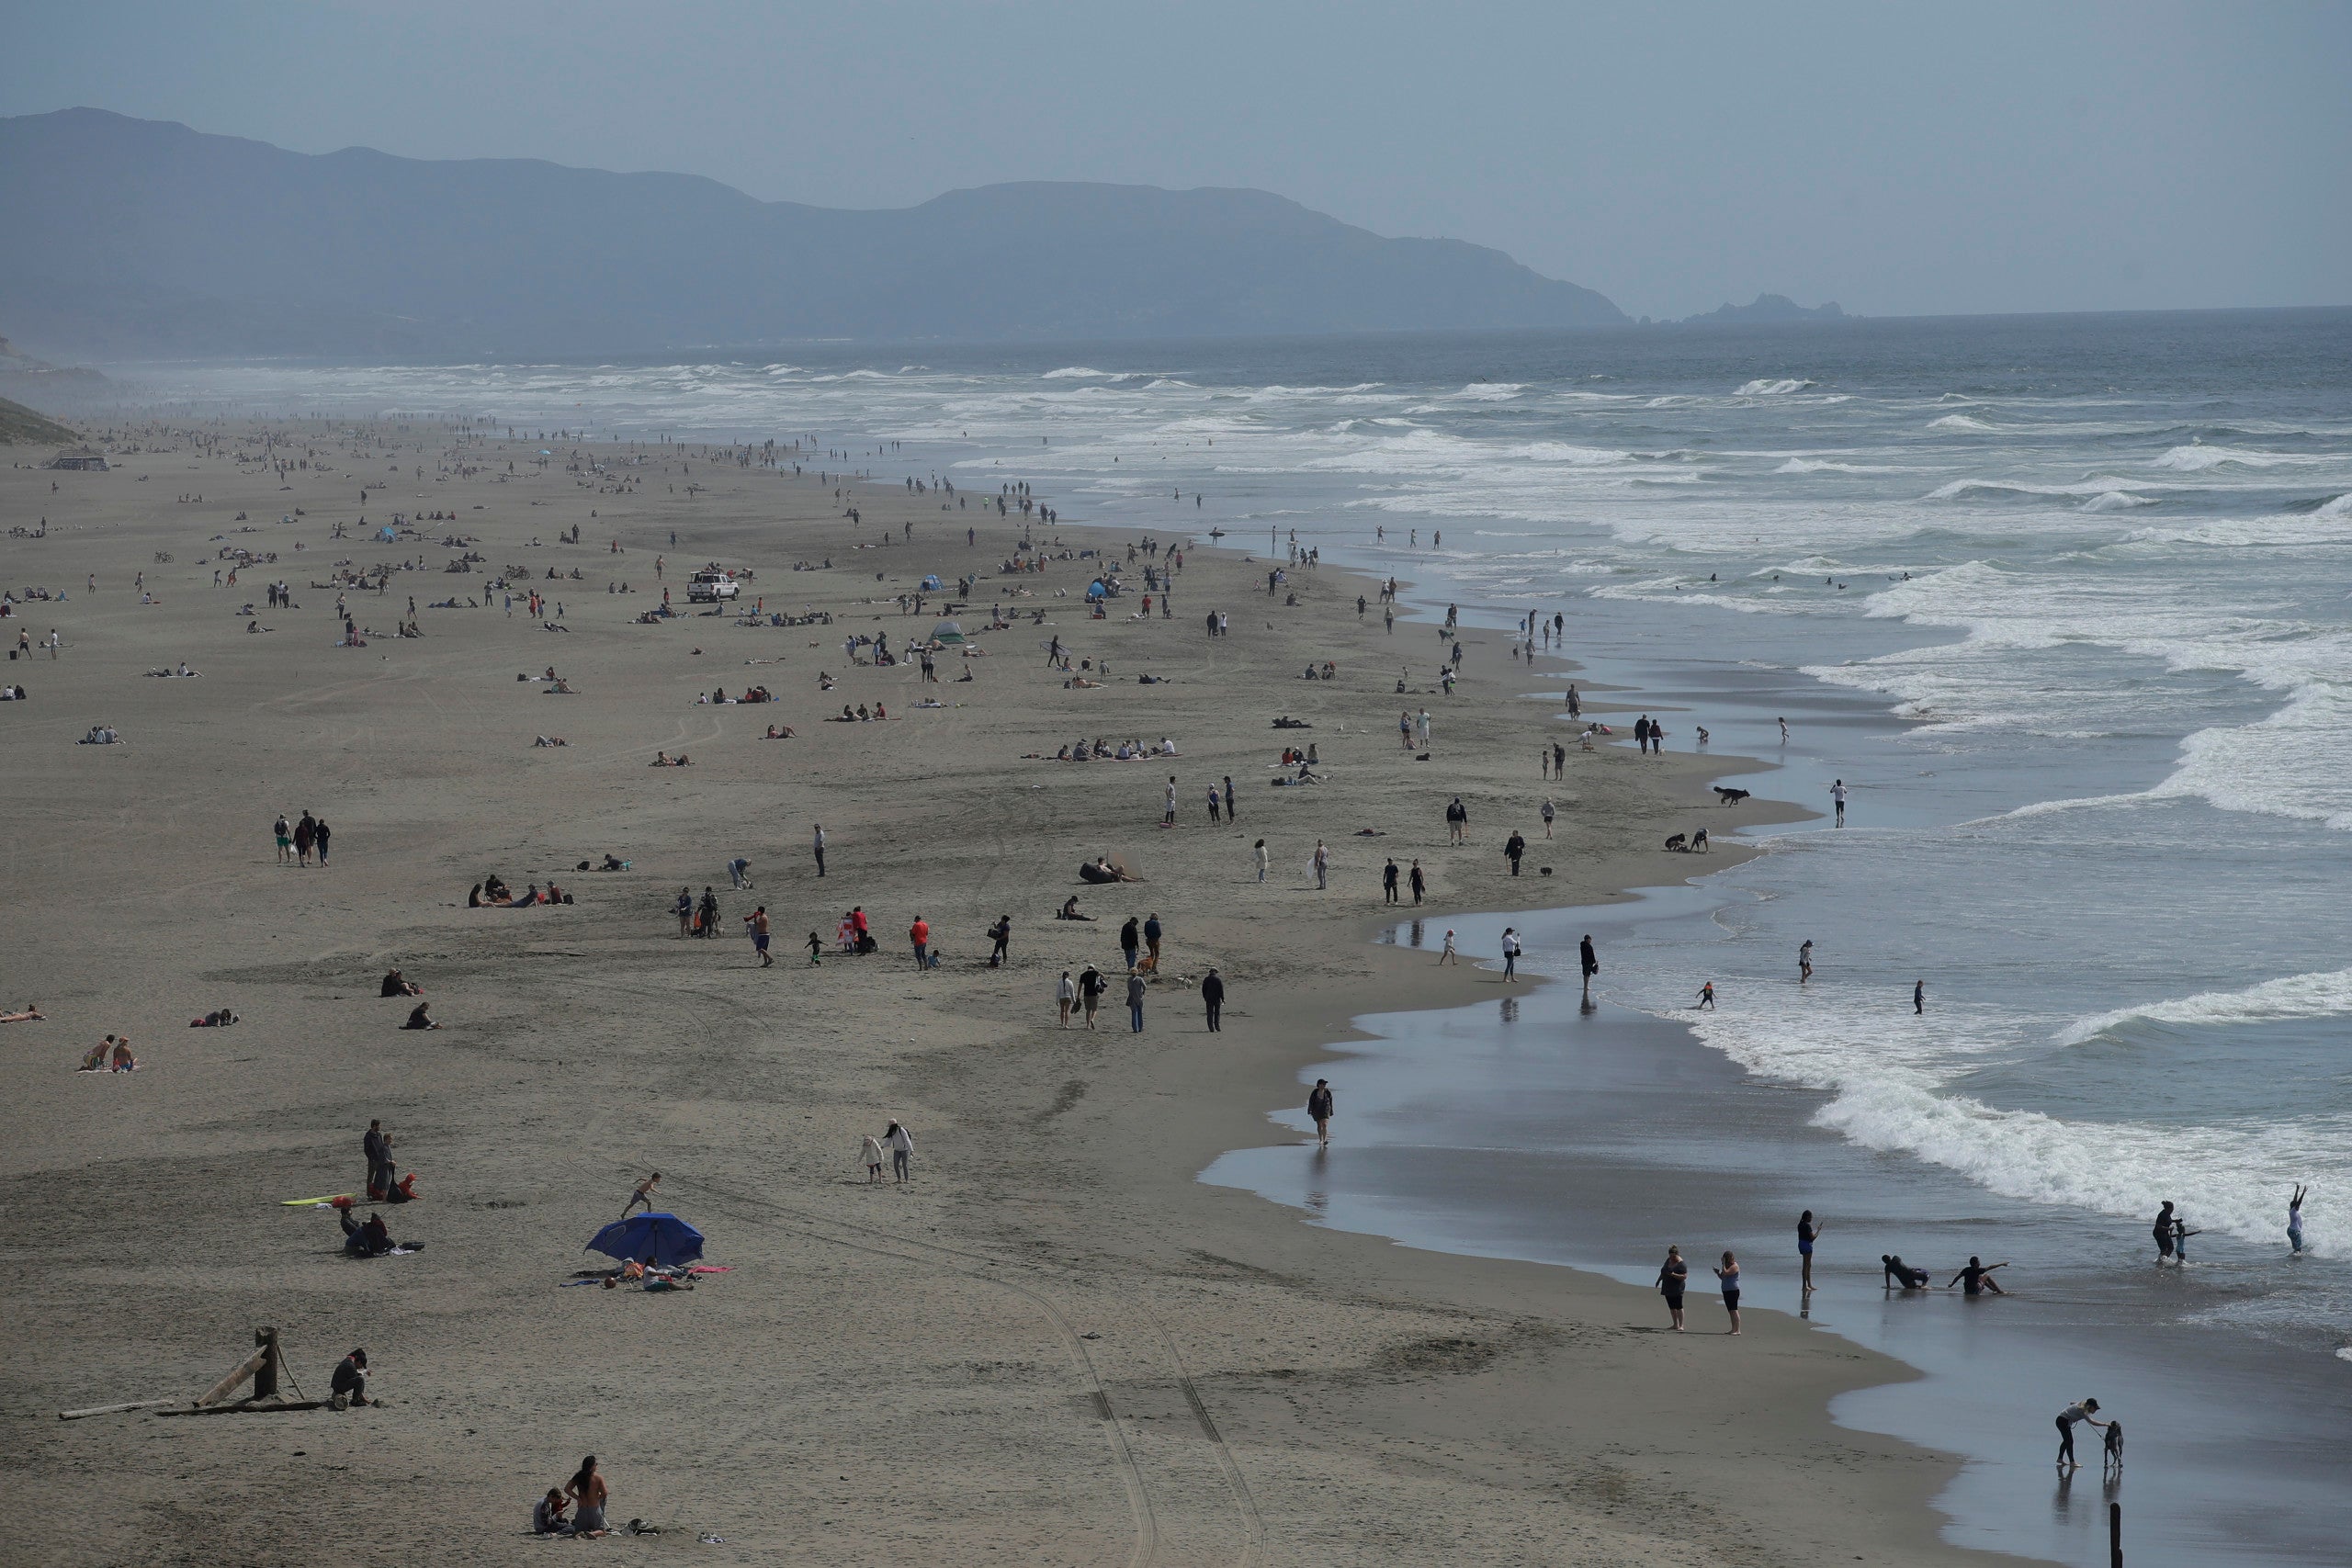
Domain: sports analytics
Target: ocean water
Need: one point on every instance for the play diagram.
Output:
(2065, 601)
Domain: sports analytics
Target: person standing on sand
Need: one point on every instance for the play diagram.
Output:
(320, 834)
(1215, 800)
(817, 847)
(1090, 986)
(1134, 1004)
(870, 1152)
(1319, 1107)
(1514, 847)
(1232, 802)
(284, 831)
(919, 935)
(1589, 961)
(1807, 1233)
(377, 1145)
(1919, 995)
(1837, 798)
(1212, 999)
(1152, 931)
(1549, 813)
(1421, 724)
(902, 1150)
(1510, 956)
(1457, 820)
(1729, 1275)
(758, 921)
(1405, 729)
(1388, 881)
(1417, 880)
(1259, 855)
(1130, 941)
(1168, 808)
(2084, 1410)
(1065, 993)
(1321, 862)
(1673, 1277)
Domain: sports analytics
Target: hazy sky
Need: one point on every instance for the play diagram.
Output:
(1899, 159)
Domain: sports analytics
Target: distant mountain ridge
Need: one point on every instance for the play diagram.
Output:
(126, 238)
(1770, 307)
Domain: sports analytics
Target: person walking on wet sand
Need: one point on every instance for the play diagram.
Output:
(1589, 961)
(1510, 956)
(1808, 1231)
(1673, 1277)
(1919, 995)
(1319, 1107)
(1837, 798)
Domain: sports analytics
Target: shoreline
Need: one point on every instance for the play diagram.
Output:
(1389, 1330)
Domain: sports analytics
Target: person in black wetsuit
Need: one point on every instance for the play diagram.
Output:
(1979, 1278)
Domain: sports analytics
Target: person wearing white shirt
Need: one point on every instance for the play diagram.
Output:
(1838, 794)
(1510, 954)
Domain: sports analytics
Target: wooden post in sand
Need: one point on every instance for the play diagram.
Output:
(262, 1366)
(2115, 1535)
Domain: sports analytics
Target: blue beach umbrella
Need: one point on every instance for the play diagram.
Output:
(667, 1238)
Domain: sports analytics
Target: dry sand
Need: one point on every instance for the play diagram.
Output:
(1053, 1345)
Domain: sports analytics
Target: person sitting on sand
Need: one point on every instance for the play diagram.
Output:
(473, 896)
(1069, 912)
(124, 1061)
(419, 1018)
(547, 1516)
(398, 985)
(95, 1058)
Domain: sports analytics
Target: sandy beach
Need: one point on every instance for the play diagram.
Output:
(1052, 1344)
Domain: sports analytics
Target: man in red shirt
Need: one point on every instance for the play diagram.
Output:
(919, 934)
(858, 928)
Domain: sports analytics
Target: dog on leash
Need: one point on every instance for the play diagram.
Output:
(2113, 1462)
(1730, 797)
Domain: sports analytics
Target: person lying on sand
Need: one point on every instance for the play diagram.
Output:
(29, 1012)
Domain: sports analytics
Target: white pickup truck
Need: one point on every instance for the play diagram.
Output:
(712, 588)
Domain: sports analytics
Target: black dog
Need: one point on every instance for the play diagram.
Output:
(2114, 1460)
(1730, 797)
(1678, 843)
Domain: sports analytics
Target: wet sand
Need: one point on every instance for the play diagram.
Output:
(1054, 1343)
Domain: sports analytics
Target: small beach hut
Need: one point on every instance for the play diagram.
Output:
(83, 458)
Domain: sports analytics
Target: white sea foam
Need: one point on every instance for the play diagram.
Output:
(1965, 489)
(1958, 422)
(1078, 372)
(2198, 457)
(1767, 387)
(2324, 994)
(2117, 501)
